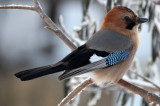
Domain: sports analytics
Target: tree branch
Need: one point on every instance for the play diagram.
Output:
(150, 97)
(77, 90)
(45, 18)
(22, 7)
(60, 21)
(143, 84)
(60, 34)
(53, 26)
(144, 78)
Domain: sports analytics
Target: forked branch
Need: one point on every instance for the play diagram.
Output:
(45, 18)
(150, 97)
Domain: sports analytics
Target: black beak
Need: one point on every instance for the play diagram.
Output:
(141, 20)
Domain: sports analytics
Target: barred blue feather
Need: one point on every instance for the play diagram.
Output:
(116, 57)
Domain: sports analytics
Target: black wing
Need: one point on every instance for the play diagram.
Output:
(80, 57)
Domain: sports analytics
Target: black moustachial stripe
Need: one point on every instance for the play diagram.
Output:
(131, 25)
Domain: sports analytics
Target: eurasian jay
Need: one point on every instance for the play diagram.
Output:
(116, 42)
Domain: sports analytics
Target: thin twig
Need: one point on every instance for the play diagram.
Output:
(144, 78)
(23, 7)
(150, 97)
(143, 84)
(60, 21)
(53, 26)
(59, 33)
(72, 94)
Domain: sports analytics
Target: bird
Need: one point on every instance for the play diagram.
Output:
(116, 43)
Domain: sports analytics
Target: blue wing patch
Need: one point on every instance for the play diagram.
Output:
(116, 57)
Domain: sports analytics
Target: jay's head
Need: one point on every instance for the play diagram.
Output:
(122, 17)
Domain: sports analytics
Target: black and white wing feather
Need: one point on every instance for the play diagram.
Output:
(84, 69)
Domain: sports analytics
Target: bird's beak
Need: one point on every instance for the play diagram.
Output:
(141, 20)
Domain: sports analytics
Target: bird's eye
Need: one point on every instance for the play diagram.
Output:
(127, 18)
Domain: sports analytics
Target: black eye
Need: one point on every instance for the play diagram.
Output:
(127, 19)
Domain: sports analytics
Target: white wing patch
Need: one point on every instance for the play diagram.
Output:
(95, 58)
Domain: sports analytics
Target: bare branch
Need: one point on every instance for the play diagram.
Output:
(44, 17)
(23, 7)
(60, 21)
(150, 97)
(144, 78)
(72, 94)
(143, 84)
(59, 33)
(53, 26)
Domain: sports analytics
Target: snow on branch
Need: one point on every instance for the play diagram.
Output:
(45, 18)
(23, 7)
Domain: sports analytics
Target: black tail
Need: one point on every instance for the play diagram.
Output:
(40, 71)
